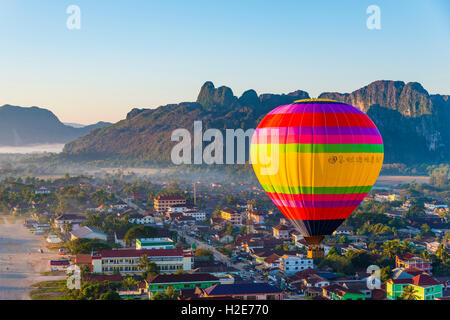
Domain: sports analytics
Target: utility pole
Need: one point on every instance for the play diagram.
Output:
(195, 193)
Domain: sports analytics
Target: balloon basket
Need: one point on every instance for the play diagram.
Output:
(316, 252)
(315, 249)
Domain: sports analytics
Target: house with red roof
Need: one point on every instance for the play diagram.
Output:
(126, 261)
(425, 287)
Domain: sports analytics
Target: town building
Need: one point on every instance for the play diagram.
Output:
(127, 260)
(281, 231)
(72, 219)
(409, 260)
(336, 291)
(425, 287)
(244, 291)
(232, 216)
(196, 214)
(386, 197)
(223, 237)
(154, 243)
(88, 233)
(291, 264)
(257, 217)
(142, 220)
(160, 282)
(162, 203)
(343, 230)
(120, 205)
(180, 208)
(42, 190)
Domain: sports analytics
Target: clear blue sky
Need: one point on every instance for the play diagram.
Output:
(148, 53)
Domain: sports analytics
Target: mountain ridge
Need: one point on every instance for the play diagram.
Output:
(22, 126)
(413, 123)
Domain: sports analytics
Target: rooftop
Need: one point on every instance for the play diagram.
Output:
(127, 253)
(170, 198)
(82, 231)
(181, 278)
(241, 288)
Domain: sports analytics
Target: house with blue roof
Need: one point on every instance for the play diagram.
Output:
(88, 233)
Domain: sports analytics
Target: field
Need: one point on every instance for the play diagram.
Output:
(392, 181)
(49, 290)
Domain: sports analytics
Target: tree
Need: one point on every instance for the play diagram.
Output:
(333, 251)
(129, 284)
(385, 273)
(425, 230)
(343, 240)
(67, 227)
(148, 267)
(139, 232)
(415, 211)
(202, 252)
(110, 295)
(169, 294)
(409, 293)
(86, 246)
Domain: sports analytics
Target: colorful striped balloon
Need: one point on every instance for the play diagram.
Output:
(317, 159)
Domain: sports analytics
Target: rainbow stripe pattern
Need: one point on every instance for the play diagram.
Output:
(317, 159)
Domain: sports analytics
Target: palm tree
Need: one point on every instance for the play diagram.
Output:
(171, 293)
(409, 293)
(67, 227)
(148, 267)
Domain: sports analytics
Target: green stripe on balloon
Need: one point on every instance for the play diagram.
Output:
(317, 190)
(321, 148)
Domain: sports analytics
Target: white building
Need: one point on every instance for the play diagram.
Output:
(154, 243)
(180, 208)
(53, 239)
(126, 261)
(42, 190)
(343, 230)
(291, 264)
(197, 215)
(143, 220)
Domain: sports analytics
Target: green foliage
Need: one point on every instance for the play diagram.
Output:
(201, 252)
(110, 295)
(148, 267)
(86, 246)
(409, 293)
(139, 232)
(415, 211)
(169, 294)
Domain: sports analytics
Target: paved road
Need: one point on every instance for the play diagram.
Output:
(217, 254)
(199, 244)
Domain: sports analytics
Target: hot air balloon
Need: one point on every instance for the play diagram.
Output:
(316, 159)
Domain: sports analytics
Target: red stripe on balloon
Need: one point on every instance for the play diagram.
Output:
(317, 213)
(317, 120)
(317, 197)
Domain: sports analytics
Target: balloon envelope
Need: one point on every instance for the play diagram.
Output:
(317, 160)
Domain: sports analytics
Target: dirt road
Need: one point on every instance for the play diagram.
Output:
(20, 262)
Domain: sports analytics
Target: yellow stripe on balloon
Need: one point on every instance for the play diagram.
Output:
(316, 169)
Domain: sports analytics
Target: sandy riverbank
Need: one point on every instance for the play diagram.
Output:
(20, 262)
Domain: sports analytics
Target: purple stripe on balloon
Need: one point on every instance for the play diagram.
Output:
(315, 108)
(317, 204)
(283, 131)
